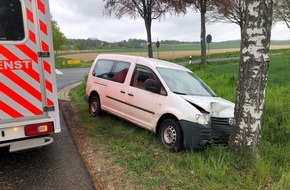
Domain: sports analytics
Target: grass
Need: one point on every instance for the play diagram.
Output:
(62, 63)
(196, 46)
(230, 54)
(152, 167)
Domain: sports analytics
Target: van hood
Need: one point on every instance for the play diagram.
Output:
(215, 106)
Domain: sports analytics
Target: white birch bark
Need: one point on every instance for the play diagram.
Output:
(252, 82)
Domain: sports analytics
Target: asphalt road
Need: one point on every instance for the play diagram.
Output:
(70, 76)
(56, 166)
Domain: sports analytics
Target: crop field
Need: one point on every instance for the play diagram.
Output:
(167, 51)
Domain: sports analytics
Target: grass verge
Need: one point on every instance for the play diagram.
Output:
(150, 166)
(63, 63)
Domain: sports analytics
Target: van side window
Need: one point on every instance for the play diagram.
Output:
(111, 70)
(143, 74)
(11, 21)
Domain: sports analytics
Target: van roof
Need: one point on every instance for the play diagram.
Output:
(166, 64)
(152, 61)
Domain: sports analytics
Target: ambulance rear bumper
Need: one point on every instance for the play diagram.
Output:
(20, 145)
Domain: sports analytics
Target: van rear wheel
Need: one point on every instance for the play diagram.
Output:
(95, 106)
(171, 136)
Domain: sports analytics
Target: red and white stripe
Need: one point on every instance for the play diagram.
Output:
(21, 92)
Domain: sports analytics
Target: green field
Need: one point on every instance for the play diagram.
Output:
(62, 63)
(169, 47)
(196, 46)
(148, 165)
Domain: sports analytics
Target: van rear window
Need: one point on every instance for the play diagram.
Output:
(11, 21)
(111, 70)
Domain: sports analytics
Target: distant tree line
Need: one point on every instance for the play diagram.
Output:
(92, 43)
(83, 44)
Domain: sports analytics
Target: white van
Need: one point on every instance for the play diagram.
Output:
(162, 97)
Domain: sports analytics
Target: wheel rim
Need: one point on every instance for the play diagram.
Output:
(94, 106)
(169, 135)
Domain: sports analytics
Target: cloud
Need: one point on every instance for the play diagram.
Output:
(280, 31)
(85, 19)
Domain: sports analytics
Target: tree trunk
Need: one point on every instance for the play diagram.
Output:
(241, 44)
(148, 22)
(202, 36)
(252, 81)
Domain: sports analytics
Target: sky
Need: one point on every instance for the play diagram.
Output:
(83, 19)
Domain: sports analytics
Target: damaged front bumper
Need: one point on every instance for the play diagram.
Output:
(197, 136)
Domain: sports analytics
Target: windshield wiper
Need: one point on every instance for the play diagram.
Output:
(180, 93)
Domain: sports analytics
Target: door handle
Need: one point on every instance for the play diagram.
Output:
(130, 94)
(122, 91)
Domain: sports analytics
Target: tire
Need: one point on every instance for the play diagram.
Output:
(171, 135)
(94, 106)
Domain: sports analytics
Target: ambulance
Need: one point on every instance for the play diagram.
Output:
(29, 111)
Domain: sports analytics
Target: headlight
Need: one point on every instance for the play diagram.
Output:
(197, 116)
(202, 118)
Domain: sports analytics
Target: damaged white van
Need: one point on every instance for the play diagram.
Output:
(162, 97)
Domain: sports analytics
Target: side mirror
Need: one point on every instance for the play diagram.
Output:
(151, 86)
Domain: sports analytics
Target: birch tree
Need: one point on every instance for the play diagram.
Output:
(253, 74)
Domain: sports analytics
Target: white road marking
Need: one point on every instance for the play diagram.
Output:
(58, 72)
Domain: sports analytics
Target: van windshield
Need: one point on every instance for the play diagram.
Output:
(184, 83)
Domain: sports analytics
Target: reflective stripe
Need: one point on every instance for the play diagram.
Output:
(23, 90)
(23, 84)
(48, 85)
(43, 27)
(15, 96)
(10, 56)
(41, 7)
(12, 112)
(44, 46)
(29, 52)
(47, 67)
(30, 15)
(32, 36)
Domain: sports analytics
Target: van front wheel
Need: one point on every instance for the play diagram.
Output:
(170, 134)
(94, 106)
